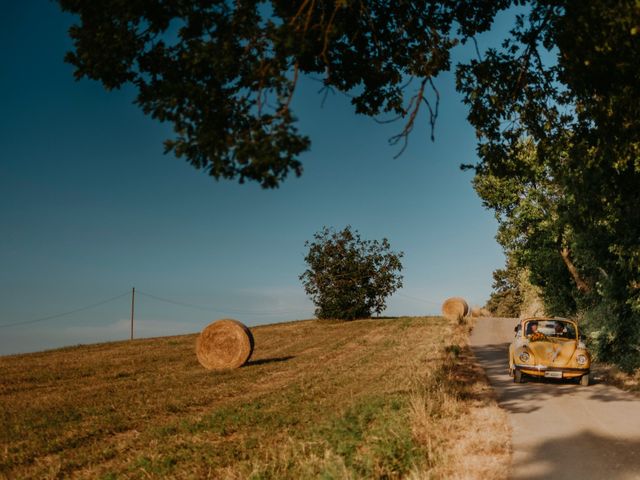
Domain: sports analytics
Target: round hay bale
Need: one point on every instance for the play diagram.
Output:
(224, 344)
(476, 312)
(455, 308)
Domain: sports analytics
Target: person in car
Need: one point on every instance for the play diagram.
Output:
(532, 327)
(559, 330)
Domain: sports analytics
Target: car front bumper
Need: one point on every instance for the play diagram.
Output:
(541, 371)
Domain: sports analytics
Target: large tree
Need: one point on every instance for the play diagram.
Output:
(533, 229)
(568, 81)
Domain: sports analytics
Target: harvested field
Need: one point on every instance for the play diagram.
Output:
(386, 398)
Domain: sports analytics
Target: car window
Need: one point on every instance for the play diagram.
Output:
(551, 328)
(531, 327)
(570, 330)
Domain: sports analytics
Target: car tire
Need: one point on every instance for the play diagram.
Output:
(517, 376)
(585, 380)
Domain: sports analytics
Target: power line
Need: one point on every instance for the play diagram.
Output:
(181, 304)
(213, 309)
(418, 299)
(51, 317)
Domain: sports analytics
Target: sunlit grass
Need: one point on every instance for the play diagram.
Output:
(361, 399)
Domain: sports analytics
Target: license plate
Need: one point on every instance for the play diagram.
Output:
(553, 374)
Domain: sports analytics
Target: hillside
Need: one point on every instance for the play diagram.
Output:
(384, 398)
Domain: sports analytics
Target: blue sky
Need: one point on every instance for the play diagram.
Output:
(90, 206)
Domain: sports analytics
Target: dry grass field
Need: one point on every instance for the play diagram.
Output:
(382, 398)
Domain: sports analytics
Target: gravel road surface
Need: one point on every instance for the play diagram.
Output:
(560, 430)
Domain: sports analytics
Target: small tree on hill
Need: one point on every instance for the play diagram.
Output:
(347, 277)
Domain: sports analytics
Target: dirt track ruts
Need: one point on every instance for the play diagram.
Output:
(560, 430)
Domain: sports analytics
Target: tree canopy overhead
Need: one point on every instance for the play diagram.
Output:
(224, 73)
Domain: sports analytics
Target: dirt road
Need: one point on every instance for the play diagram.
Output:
(561, 431)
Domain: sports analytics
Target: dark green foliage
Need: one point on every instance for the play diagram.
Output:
(533, 229)
(224, 73)
(611, 327)
(347, 277)
(581, 116)
(506, 298)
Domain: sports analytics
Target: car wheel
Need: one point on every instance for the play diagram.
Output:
(517, 376)
(584, 380)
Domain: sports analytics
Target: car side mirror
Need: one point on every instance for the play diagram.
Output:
(516, 328)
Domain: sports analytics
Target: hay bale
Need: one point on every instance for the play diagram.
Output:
(455, 308)
(224, 344)
(476, 312)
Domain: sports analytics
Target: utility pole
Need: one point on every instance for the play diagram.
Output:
(133, 304)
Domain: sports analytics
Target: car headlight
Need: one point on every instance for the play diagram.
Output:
(581, 358)
(524, 356)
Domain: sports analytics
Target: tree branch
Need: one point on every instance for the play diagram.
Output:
(583, 286)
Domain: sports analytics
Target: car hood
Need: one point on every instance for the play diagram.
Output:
(554, 354)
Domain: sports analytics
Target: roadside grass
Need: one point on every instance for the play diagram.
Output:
(455, 415)
(612, 375)
(379, 398)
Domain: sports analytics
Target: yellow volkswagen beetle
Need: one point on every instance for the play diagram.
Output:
(551, 348)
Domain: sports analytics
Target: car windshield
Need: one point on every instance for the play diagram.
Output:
(551, 328)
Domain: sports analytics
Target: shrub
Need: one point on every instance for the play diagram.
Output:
(347, 277)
